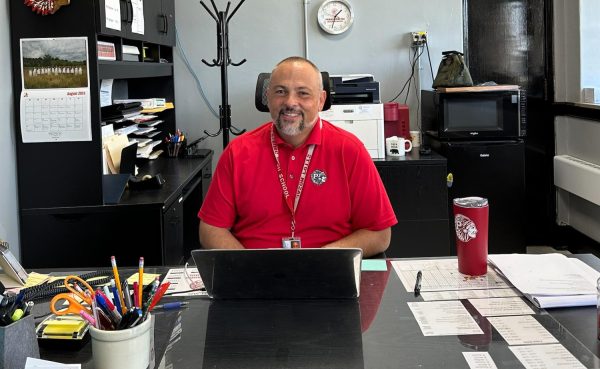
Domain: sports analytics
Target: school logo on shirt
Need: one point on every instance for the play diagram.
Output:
(318, 177)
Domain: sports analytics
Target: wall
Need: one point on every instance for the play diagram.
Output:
(266, 31)
(576, 138)
(9, 228)
(590, 43)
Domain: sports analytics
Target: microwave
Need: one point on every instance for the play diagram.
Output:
(499, 114)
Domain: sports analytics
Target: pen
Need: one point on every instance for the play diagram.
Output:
(158, 295)
(418, 283)
(136, 288)
(141, 282)
(116, 299)
(113, 262)
(171, 305)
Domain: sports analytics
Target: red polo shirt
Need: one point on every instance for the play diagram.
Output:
(246, 197)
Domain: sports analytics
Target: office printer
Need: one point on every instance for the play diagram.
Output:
(354, 89)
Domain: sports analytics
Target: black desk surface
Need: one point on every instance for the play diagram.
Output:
(378, 331)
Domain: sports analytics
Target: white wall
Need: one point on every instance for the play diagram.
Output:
(266, 31)
(590, 43)
(9, 229)
(574, 50)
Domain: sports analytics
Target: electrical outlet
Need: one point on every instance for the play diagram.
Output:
(419, 38)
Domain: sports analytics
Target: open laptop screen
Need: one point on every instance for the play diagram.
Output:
(280, 273)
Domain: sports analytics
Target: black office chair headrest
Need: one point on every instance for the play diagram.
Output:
(260, 96)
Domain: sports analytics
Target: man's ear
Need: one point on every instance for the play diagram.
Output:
(322, 99)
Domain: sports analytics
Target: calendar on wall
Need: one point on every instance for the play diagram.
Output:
(55, 96)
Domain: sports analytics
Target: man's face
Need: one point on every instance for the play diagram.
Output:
(295, 98)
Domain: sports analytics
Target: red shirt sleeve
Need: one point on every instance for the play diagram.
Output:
(371, 208)
(218, 207)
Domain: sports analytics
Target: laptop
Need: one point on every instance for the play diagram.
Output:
(280, 273)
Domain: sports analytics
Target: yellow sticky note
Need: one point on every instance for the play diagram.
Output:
(148, 278)
(35, 278)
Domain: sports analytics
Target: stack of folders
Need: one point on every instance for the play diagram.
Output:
(549, 280)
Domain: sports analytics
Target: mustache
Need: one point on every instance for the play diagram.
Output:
(290, 111)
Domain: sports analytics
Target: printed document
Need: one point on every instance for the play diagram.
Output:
(185, 285)
(444, 318)
(443, 275)
(479, 360)
(549, 280)
(521, 330)
(469, 294)
(554, 356)
(501, 306)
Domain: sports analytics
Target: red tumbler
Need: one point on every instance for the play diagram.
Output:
(471, 226)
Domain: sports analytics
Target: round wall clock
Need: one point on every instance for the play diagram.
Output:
(335, 16)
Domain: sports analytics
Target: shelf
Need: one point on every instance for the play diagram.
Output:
(123, 69)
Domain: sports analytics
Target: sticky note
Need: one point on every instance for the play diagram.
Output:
(374, 265)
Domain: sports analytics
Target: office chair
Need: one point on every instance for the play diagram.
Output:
(260, 96)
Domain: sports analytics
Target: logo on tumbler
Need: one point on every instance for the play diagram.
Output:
(465, 228)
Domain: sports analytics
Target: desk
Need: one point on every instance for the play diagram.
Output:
(379, 332)
(160, 224)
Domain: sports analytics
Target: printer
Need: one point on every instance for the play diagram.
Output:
(356, 108)
(354, 89)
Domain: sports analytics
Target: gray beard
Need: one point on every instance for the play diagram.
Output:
(290, 130)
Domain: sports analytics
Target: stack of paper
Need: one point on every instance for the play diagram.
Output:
(549, 280)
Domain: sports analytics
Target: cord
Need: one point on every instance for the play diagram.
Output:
(429, 58)
(189, 67)
(412, 73)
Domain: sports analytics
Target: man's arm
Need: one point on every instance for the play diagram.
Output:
(371, 242)
(212, 237)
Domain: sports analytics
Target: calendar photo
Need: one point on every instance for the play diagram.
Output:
(51, 63)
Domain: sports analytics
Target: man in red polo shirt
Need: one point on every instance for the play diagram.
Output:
(297, 181)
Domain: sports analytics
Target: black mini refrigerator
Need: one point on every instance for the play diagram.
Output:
(494, 170)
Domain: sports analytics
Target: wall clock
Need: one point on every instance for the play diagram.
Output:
(335, 16)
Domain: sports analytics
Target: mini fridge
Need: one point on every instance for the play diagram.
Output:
(494, 170)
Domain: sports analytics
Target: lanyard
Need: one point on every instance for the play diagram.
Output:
(281, 177)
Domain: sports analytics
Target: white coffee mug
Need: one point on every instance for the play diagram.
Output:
(397, 146)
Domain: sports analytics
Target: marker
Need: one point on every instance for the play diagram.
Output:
(171, 305)
(418, 283)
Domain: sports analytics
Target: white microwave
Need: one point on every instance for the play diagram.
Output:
(365, 121)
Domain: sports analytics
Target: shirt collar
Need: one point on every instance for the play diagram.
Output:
(315, 137)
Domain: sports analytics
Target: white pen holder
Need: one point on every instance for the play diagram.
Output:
(130, 348)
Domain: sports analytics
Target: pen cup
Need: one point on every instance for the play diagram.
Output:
(17, 342)
(127, 348)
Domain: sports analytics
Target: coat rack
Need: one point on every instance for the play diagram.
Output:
(223, 60)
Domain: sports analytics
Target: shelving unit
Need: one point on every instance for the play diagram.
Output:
(61, 183)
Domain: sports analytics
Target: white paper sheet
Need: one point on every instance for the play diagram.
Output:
(521, 330)
(106, 92)
(180, 283)
(543, 274)
(33, 363)
(554, 356)
(469, 294)
(137, 24)
(55, 96)
(443, 318)
(112, 14)
(501, 306)
(479, 360)
(443, 275)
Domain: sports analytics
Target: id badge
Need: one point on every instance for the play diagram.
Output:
(291, 243)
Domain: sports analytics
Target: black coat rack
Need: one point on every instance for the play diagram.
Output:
(223, 60)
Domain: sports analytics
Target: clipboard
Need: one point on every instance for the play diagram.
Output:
(11, 265)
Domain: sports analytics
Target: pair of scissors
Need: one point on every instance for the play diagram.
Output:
(75, 297)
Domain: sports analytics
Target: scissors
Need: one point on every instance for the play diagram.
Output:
(75, 306)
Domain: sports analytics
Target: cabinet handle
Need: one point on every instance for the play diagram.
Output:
(129, 12)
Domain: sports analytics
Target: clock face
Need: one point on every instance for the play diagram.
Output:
(335, 16)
